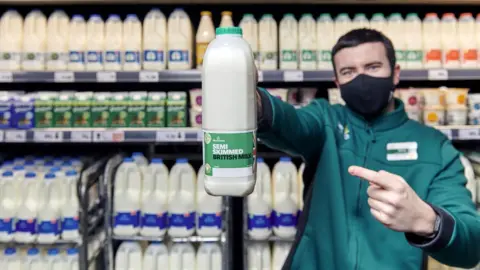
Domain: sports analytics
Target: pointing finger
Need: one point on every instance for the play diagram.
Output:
(377, 178)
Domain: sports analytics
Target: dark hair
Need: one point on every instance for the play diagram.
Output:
(360, 36)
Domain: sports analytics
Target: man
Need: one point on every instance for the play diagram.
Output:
(386, 188)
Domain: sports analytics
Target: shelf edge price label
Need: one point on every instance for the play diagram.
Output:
(15, 136)
(81, 136)
(170, 136)
(469, 134)
(437, 74)
(47, 136)
(109, 136)
(106, 76)
(293, 76)
(148, 76)
(6, 76)
(64, 76)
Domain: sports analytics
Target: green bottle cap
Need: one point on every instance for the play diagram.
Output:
(228, 31)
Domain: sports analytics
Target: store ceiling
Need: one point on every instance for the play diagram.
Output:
(409, 2)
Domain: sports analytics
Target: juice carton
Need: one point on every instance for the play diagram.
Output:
(62, 109)
(81, 109)
(118, 109)
(44, 109)
(24, 111)
(136, 109)
(156, 109)
(6, 106)
(177, 109)
(100, 109)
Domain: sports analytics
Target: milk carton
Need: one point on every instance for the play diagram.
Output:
(285, 200)
(136, 109)
(11, 38)
(179, 40)
(154, 40)
(432, 41)
(226, 20)
(26, 221)
(118, 109)
(176, 109)
(71, 260)
(343, 24)
(466, 35)
(127, 198)
(307, 38)
(182, 257)
(34, 260)
(209, 209)
(395, 30)
(259, 204)
(268, 44)
(6, 106)
(77, 39)
(132, 42)
(205, 34)
(209, 257)
(288, 42)
(81, 109)
(95, 43)
(414, 42)
(57, 41)
(129, 256)
(155, 199)
(70, 209)
(100, 109)
(450, 45)
(8, 205)
(54, 260)
(113, 43)
(259, 256)
(280, 252)
(379, 23)
(34, 41)
(50, 200)
(11, 259)
(44, 109)
(62, 110)
(325, 41)
(156, 109)
(181, 199)
(250, 34)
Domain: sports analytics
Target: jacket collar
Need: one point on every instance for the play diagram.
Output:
(385, 122)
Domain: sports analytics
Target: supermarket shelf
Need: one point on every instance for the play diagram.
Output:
(272, 238)
(190, 239)
(57, 242)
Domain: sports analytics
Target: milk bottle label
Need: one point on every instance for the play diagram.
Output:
(70, 224)
(309, 56)
(94, 57)
(270, 58)
(178, 56)
(113, 57)
(414, 56)
(400, 55)
(127, 219)
(153, 56)
(452, 55)
(57, 58)
(132, 57)
(210, 220)
(6, 225)
(287, 56)
(325, 57)
(186, 220)
(26, 226)
(229, 154)
(77, 57)
(9, 59)
(470, 56)
(433, 55)
(284, 219)
(155, 220)
(34, 58)
(259, 222)
(201, 48)
(49, 227)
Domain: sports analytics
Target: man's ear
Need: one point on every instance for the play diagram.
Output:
(396, 74)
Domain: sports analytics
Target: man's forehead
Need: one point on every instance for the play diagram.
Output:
(362, 54)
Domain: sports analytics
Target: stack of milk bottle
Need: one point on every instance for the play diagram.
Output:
(38, 200)
(276, 202)
(261, 257)
(150, 201)
(179, 256)
(34, 258)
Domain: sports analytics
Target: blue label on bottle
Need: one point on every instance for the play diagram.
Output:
(94, 57)
(49, 227)
(6, 225)
(127, 219)
(113, 57)
(70, 224)
(153, 56)
(284, 220)
(26, 226)
(210, 220)
(259, 222)
(132, 57)
(155, 220)
(76, 57)
(186, 220)
(178, 56)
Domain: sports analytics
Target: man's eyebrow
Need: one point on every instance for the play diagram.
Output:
(373, 63)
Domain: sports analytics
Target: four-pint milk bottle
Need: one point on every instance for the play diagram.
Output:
(288, 42)
(466, 36)
(450, 44)
(307, 38)
(179, 40)
(154, 40)
(414, 42)
(432, 41)
(229, 115)
(325, 41)
(379, 23)
(77, 38)
(57, 41)
(396, 33)
(250, 33)
(34, 41)
(268, 43)
(113, 43)
(11, 38)
(205, 34)
(132, 42)
(95, 43)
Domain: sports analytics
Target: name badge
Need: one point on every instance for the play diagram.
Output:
(402, 151)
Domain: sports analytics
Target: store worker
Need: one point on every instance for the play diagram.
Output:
(386, 190)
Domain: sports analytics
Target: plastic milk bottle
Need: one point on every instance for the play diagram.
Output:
(11, 259)
(229, 115)
(209, 209)
(72, 259)
(58, 25)
(26, 221)
(182, 257)
(432, 41)
(226, 20)
(395, 31)
(34, 260)
(343, 24)
(129, 256)
(414, 42)
(205, 34)
(50, 195)
(209, 257)
(54, 260)
(132, 42)
(288, 42)
(9, 202)
(155, 257)
(268, 46)
(280, 252)
(307, 31)
(70, 209)
(466, 36)
(250, 33)
(259, 256)
(113, 43)
(154, 40)
(77, 39)
(34, 41)
(179, 40)
(450, 44)
(379, 23)
(325, 40)
(95, 43)
(11, 38)
(360, 21)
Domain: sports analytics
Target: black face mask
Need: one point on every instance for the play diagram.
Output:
(367, 95)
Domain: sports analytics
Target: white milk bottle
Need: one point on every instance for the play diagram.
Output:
(259, 204)
(209, 209)
(34, 260)
(155, 198)
(11, 259)
(127, 198)
(113, 43)
(26, 221)
(155, 257)
(343, 24)
(132, 42)
(259, 257)
(288, 35)
(76, 43)
(140, 159)
(72, 259)
(205, 34)
(285, 200)
(229, 115)
(307, 37)
(360, 21)
(70, 209)
(280, 252)
(179, 40)
(129, 256)
(250, 33)
(325, 41)
(379, 23)
(466, 36)
(226, 20)
(54, 260)
(34, 41)
(154, 40)
(11, 40)
(432, 41)
(9, 203)
(414, 42)
(182, 257)
(396, 33)
(58, 25)
(181, 201)
(95, 43)
(450, 44)
(268, 46)
(209, 257)
(50, 194)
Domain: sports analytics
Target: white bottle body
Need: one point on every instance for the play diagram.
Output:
(113, 43)
(70, 209)
(57, 41)
(250, 33)
(155, 257)
(307, 37)
(129, 256)
(209, 209)
(11, 38)
(50, 201)
(432, 41)
(180, 39)
(95, 44)
(34, 41)
(325, 41)
(154, 41)
(182, 257)
(9, 203)
(268, 46)
(209, 257)
(288, 34)
(132, 42)
(77, 39)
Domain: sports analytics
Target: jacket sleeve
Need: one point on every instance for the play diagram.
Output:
(457, 241)
(299, 132)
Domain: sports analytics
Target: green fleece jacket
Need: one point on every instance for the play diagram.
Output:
(339, 232)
